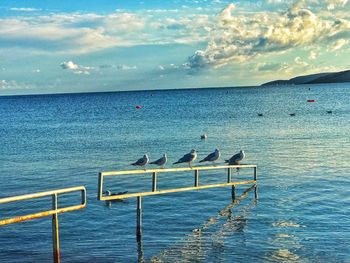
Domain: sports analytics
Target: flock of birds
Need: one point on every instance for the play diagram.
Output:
(190, 158)
(293, 113)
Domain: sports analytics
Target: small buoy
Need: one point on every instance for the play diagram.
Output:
(204, 136)
(292, 114)
(329, 111)
(310, 100)
(260, 114)
(138, 107)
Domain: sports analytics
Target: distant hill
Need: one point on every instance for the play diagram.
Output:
(331, 77)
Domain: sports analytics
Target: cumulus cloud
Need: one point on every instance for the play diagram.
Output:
(237, 38)
(76, 69)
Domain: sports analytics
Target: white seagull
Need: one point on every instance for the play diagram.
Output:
(142, 161)
(236, 159)
(212, 157)
(188, 158)
(161, 161)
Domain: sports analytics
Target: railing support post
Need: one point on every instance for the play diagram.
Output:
(233, 192)
(255, 173)
(196, 178)
(55, 233)
(229, 173)
(139, 217)
(100, 186)
(154, 182)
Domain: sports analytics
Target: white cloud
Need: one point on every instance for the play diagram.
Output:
(338, 44)
(271, 66)
(24, 9)
(12, 85)
(300, 62)
(75, 33)
(236, 38)
(76, 69)
(332, 4)
(312, 55)
(69, 65)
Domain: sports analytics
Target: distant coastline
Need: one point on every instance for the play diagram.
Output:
(320, 78)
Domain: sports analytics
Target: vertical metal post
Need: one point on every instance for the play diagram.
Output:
(233, 192)
(100, 186)
(139, 217)
(196, 178)
(256, 192)
(229, 173)
(154, 182)
(255, 173)
(55, 233)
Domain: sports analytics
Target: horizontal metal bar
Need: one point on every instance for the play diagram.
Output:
(44, 213)
(18, 219)
(181, 169)
(41, 194)
(114, 197)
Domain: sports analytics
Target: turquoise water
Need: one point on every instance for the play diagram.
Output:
(303, 210)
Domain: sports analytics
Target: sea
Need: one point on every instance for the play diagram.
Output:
(300, 211)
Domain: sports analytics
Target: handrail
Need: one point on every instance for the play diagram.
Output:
(45, 213)
(154, 191)
(181, 169)
(54, 212)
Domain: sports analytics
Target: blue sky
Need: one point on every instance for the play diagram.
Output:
(78, 46)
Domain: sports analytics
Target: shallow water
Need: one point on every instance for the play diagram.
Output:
(302, 214)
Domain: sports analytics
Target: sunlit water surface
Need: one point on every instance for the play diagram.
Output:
(302, 213)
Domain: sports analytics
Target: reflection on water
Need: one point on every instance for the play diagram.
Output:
(210, 237)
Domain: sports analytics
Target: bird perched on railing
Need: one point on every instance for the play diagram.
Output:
(236, 159)
(188, 158)
(212, 157)
(142, 161)
(161, 161)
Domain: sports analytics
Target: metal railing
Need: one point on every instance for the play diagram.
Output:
(54, 212)
(155, 191)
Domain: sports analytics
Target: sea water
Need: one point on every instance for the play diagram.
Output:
(302, 213)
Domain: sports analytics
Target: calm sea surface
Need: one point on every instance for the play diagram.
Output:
(302, 213)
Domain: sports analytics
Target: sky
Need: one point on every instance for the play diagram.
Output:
(93, 46)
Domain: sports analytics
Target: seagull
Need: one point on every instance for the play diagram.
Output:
(109, 193)
(236, 159)
(292, 114)
(212, 157)
(142, 161)
(260, 114)
(188, 158)
(204, 136)
(329, 111)
(161, 161)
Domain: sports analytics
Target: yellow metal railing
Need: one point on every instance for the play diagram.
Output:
(155, 191)
(54, 212)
